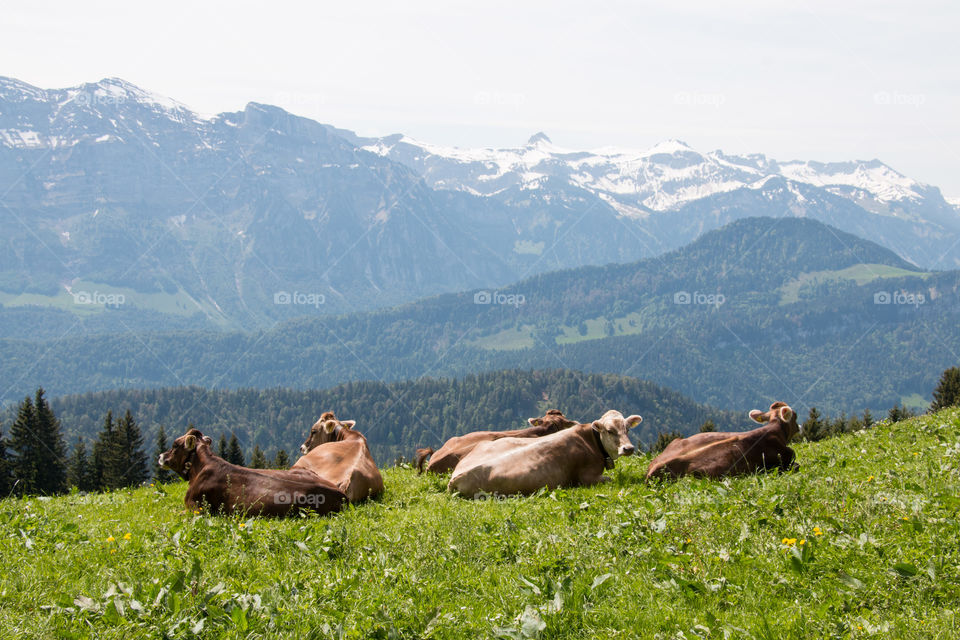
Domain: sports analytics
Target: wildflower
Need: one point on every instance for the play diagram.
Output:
(802, 542)
(907, 518)
(243, 525)
(113, 550)
(111, 539)
(790, 541)
(127, 536)
(196, 512)
(817, 531)
(689, 540)
(870, 479)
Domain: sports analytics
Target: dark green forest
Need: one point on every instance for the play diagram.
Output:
(395, 417)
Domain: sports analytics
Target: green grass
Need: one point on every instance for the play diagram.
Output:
(860, 273)
(689, 559)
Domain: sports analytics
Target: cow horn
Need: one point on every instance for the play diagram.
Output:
(786, 414)
(758, 416)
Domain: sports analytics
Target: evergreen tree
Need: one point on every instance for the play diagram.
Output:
(131, 459)
(52, 461)
(813, 427)
(257, 459)
(234, 452)
(25, 448)
(947, 393)
(106, 456)
(6, 483)
(708, 427)
(159, 473)
(867, 419)
(221, 446)
(80, 473)
(896, 414)
(282, 460)
(663, 439)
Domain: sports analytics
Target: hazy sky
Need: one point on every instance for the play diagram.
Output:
(834, 80)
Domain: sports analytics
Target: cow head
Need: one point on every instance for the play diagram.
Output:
(613, 430)
(552, 421)
(179, 458)
(779, 412)
(324, 430)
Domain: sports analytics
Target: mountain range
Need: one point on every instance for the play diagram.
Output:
(124, 211)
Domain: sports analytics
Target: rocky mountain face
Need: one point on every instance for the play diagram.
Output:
(123, 210)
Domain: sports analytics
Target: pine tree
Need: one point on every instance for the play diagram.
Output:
(813, 427)
(106, 456)
(663, 439)
(282, 460)
(6, 483)
(159, 473)
(80, 468)
(947, 393)
(234, 452)
(24, 445)
(221, 446)
(132, 461)
(257, 459)
(52, 461)
(867, 419)
(896, 414)
(708, 427)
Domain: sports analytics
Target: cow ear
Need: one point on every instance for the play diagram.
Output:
(535, 422)
(786, 414)
(207, 440)
(597, 425)
(329, 426)
(569, 423)
(190, 442)
(757, 416)
(633, 421)
(347, 424)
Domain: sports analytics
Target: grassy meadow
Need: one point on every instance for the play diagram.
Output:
(861, 542)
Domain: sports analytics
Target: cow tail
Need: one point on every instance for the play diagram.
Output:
(422, 455)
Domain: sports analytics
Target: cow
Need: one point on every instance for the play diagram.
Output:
(576, 456)
(454, 449)
(228, 488)
(713, 455)
(338, 453)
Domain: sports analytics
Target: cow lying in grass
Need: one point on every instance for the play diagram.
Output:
(454, 449)
(338, 453)
(228, 488)
(719, 454)
(572, 457)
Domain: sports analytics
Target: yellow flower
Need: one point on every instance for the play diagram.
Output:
(110, 539)
(817, 531)
(127, 536)
(802, 542)
(196, 512)
(243, 524)
(689, 540)
(113, 550)
(906, 518)
(790, 541)
(870, 479)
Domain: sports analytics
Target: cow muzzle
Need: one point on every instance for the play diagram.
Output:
(162, 460)
(626, 450)
(303, 449)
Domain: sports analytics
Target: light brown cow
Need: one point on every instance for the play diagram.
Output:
(229, 488)
(338, 453)
(719, 454)
(454, 449)
(572, 457)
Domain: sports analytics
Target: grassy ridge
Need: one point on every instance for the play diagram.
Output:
(876, 513)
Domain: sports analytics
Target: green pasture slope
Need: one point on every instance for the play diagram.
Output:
(861, 542)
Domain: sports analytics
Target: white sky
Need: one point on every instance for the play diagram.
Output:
(837, 80)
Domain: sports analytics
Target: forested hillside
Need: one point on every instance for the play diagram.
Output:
(395, 417)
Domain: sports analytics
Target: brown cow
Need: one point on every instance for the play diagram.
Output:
(229, 488)
(454, 449)
(572, 457)
(719, 454)
(339, 454)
